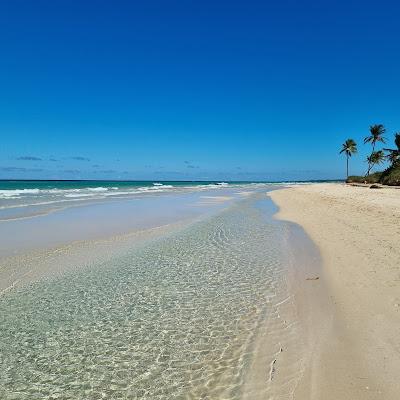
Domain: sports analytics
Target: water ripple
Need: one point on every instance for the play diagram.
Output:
(175, 319)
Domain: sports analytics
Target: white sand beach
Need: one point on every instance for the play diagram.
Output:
(353, 319)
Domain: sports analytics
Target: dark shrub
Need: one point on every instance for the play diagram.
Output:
(373, 178)
(391, 176)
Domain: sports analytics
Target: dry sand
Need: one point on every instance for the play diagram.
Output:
(352, 312)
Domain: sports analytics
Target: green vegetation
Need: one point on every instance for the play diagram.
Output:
(391, 176)
(394, 154)
(376, 135)
(375, 158)
(372, 178)
(349, 147)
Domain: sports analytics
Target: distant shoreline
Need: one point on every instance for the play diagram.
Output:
(170, 180)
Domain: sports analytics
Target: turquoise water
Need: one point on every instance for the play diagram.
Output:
(82, 184)
(175, 319)
(21, 199)
(65, 185)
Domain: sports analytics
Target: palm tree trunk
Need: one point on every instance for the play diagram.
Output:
(369, 164)
(347, 166)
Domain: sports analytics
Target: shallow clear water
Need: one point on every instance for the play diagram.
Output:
(174, 319)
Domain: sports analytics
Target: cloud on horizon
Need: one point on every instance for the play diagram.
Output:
(190, 165)
(107, 171)
(20, 169)
(80, 158)
(28, 158)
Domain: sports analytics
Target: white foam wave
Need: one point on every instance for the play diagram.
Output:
(97, 189)
(119, 193)
(12, 198)
(73, 195)
(17, 192)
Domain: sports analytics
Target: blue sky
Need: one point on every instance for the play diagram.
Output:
(242, 90)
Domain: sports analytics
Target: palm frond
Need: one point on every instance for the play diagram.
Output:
(376, 134)
(349, 147)
(367, 139)
(397, 140)
(377, 130)
(377, 157)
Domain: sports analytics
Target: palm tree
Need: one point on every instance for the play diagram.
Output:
(394, 154)
(376, 135)
(349, 147)
(376, 157)
(377, 132)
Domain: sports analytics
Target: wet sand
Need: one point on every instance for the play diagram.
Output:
(353, 310)
(284, 346)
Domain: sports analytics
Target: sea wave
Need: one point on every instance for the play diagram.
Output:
(36, 196)
(76, 195)
(8, 193)
(11, 198)
(17, 192)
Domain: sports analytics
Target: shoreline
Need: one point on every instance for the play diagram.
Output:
(285, 340)
(356, 230)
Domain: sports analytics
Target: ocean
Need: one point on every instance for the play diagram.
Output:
(19, 199)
